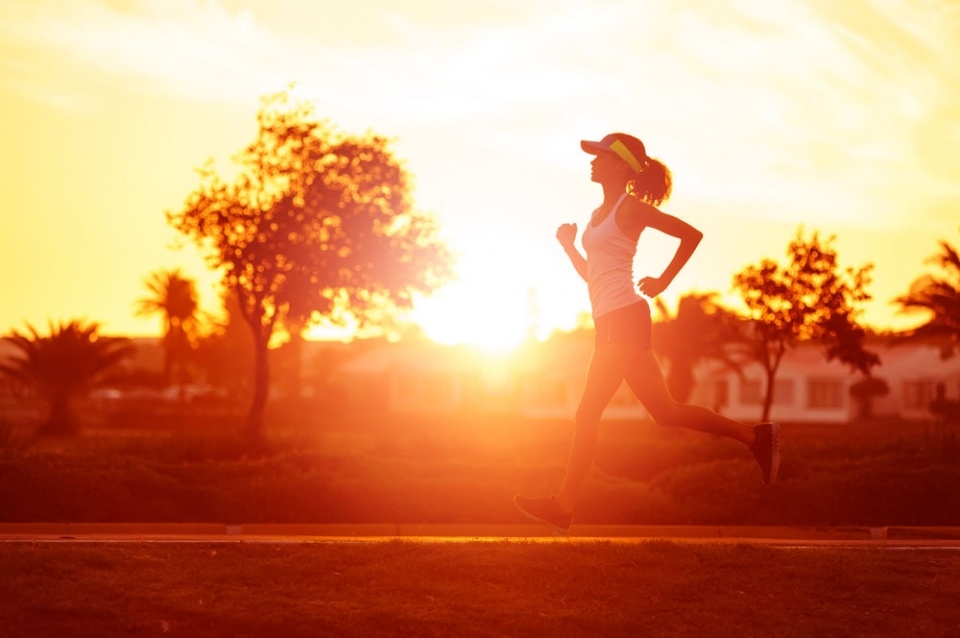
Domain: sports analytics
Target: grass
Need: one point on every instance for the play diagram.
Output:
(867, 474)
(503, 588)
(873, 474)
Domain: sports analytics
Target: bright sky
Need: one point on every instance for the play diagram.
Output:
(843, 117)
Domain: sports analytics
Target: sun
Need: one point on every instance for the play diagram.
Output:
(477, 314)
(502, 298)
(495, 316)
(495, 304)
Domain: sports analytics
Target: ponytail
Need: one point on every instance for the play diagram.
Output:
(653, 184)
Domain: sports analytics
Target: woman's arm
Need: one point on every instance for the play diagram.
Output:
(689, 240)
(567, 235)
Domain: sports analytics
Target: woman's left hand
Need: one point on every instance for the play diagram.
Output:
(651, 286)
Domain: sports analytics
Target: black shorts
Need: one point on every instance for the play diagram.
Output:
(630, 324)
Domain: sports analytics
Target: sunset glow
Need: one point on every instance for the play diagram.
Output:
(840, 117)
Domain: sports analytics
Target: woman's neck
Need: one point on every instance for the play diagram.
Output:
(612, 194)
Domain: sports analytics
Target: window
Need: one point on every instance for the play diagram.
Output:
(825, 393)
(750, 392)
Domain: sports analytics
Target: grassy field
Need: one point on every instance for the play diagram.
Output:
(872, 474)
(505, 588)
(869, 474)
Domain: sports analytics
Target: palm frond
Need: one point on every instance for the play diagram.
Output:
(68, 361)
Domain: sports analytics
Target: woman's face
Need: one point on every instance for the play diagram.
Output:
(608, 167)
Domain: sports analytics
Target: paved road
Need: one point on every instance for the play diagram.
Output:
(881, 537)
(287, 540)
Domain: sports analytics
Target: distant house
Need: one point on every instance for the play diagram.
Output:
(810, 388)
(539, 381)
(917, 375)
(551, 377)
(428, 378)
(806, 388)
(545, 380)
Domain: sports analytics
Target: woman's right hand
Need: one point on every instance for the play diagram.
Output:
(567, 234)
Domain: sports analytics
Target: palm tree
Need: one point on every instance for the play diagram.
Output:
(174, 297)
(64, 365)
(939, 296)
(701, 329)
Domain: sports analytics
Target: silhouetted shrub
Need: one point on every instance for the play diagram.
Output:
(883, 475)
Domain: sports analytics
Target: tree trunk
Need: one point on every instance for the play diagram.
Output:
(768, 395)
(771, 364)
(261, 390)
(296, 373)
(61, 421)
(167, 346)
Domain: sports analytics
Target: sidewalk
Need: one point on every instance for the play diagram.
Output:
(217, 532)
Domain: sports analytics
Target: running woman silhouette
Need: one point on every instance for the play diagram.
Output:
(634, 185)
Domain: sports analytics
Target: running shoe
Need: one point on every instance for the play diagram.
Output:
(545, 511)
(766, 450)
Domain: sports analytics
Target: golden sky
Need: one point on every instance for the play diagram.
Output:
(843, 117)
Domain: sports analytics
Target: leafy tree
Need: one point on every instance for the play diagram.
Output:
(174, 298)
(700, 329)
(865, 391)
(63, 366)
(296, 320)
(808, 299)
(940, 297)
(315, 220)
(224, 354)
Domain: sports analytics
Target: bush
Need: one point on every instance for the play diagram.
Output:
(840, 476)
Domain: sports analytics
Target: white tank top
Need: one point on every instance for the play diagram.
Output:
(610, 256)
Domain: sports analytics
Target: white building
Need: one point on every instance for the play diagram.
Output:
(428, 378)
(544, 381)
(806, 388)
